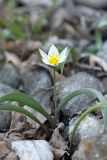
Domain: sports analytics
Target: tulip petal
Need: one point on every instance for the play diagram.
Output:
(63, 55)
(43, 54)
(53, 50)
(45, 60)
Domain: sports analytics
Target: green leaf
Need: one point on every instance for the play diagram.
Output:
(29, 101)
(61, 67)
(80, 92)
(98, 39)
(16, 30)
(74, 57)
(23, 111)
(91, 109)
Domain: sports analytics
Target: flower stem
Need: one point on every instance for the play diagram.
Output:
(54, 90)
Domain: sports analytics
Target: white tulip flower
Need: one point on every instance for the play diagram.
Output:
(54, 57)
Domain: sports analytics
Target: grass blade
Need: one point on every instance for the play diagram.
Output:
(101, 105)
(29, 101)
(80, 92)
(22, 111)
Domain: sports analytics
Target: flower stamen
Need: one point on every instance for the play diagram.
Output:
(54, 59)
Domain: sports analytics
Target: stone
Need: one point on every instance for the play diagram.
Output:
(36, 149)
(2, 58)
(9, 75)
(103, 52)
(58, 41)
(38, 82)
(36, 79)
(76, 82)
(87, 126)
(91, 3)
(46, 102)
(94, 148)
(41, 2)
(5, 116)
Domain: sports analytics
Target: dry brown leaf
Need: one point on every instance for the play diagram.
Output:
(19, 48)
(58, 153)
(93, 60)
(14, 135)
(19, 122)
(33, 60)
(11, 58)
(59, 145)
(13, 46)
(5, 152)
(4, 149)
(30, 133)
(11, 156)
(33, 45)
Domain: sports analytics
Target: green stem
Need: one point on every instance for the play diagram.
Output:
(54, 90)
(92, 109)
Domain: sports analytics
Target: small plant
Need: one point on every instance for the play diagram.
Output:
(53, 58)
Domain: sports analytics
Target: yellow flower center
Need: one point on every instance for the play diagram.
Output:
(54, 59)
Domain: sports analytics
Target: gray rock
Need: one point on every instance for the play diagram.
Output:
(103, 55)
(71, 84)
(103, 52)
(5, 116)
(36, 79)
(58, 19)
(41, 2)
(2, 58)
(85, 130)
(44, 98)
(9, 75)
(86, 127)
(33, 150)
(92, 3)
(37, 83)
(58, 41)
(92, 148)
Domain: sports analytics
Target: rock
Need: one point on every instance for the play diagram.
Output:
(103, 52)
(92, 149)
(76, 82)
(94, 4)
(103, 55)
(58, 41)
(37, 83)
(5, 116)
(33, 150)
(85, 130)
(58, 19)
(87, 126)
(9, 75)
(47, 103)
(2, 59)
(36, 79)
(41, 2)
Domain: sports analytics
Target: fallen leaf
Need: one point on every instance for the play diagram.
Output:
(57, 142)
(93, 60)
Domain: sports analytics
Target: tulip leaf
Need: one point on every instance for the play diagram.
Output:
(80, 92)
(102, 105)
(24, 99)
(22, 111)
